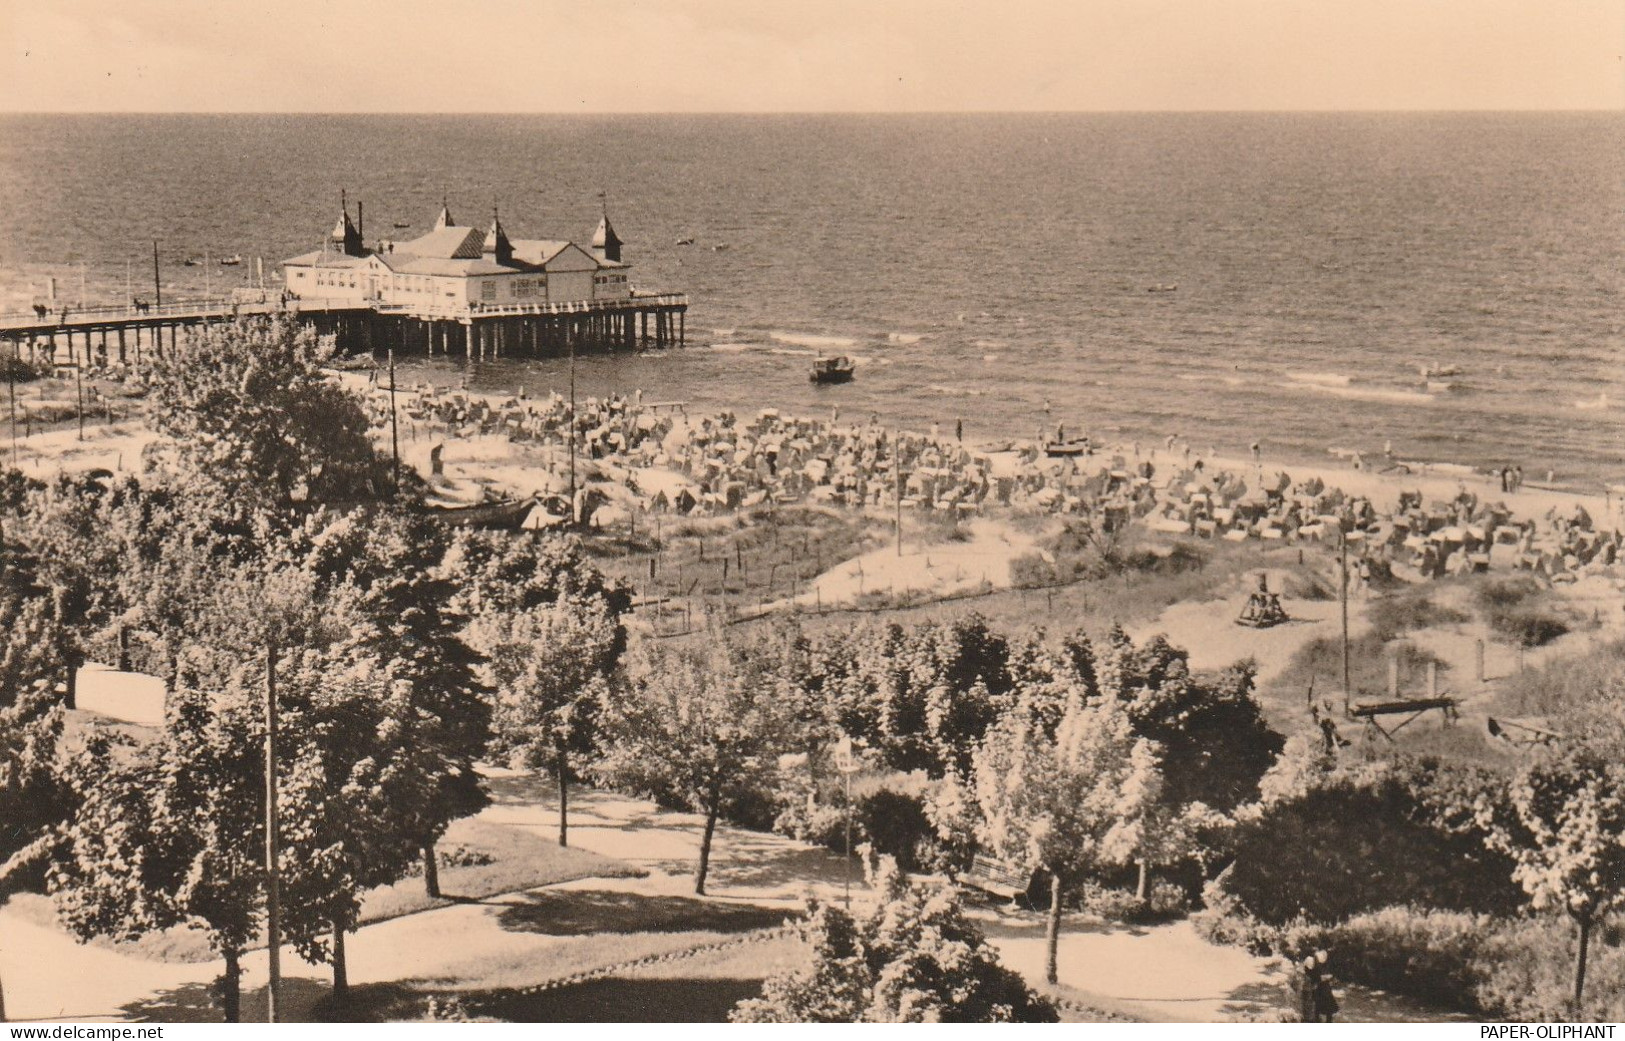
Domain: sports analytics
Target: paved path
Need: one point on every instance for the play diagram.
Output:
(1163, 973)
(47, 975)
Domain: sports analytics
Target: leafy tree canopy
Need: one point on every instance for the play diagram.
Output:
(911, 956)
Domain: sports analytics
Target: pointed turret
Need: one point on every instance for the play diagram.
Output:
(444, 220)
(496, 241)
(345, 238)
(606, 245)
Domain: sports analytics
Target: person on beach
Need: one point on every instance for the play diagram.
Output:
(959, 430)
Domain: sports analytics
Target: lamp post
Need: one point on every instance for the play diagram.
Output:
(273, 992)
(847, 763)
(1343, 596)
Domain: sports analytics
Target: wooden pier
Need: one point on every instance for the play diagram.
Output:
(121, 335)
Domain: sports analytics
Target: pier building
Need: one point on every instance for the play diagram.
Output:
(455, 289)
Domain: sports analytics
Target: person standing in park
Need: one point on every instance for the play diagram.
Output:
(1308, 991)
(1325, 1001)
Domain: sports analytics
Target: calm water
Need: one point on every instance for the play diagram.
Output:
(978, 266)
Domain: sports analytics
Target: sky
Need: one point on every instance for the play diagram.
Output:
(595, 56)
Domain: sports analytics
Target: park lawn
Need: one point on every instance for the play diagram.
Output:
(519, 861)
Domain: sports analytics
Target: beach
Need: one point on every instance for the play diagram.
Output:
(637, 460)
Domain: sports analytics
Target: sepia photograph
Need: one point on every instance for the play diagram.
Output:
(821, 511)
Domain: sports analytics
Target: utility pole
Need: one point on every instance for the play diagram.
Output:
(272, 880)
(573, 511)
(394, 427)
(1343, 563)
(79, 387)
(897, 460)
(11, 387)
(157, 286)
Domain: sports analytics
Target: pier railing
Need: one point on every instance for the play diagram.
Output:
(202, 307)
(469, 311)
(255, 303)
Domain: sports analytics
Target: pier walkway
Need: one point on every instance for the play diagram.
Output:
(102, 334)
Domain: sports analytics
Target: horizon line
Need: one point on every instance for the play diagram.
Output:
(812, 112)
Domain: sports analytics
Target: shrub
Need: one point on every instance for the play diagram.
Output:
(1175, 560)
(1394, 616)
(1114, 905)
(1528, 626)
(1436, 956)
(1511, 607)
(1507, 591)
(1570, 683)
(1032, 571)
(1357, 839)
(1519, 968)
(892, 822)
(911, 957)
(1528, 972)
(895, 825)
(1163, 902)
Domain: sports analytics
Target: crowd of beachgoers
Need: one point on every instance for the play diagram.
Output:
(707, 464)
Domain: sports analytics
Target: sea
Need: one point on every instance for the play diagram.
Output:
(1228, 279)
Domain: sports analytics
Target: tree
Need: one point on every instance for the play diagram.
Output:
(1071, 803)
(357, 786)
(694, 725)
(1215, 744)
(1565, 830)
(390, 569)
(923, 695)
(32, 799)
(169, 833)
(246, 411)
(551, 666)
(911, 956)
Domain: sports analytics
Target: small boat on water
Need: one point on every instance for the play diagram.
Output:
(721, 247)
(1163, 287)
(1433, 372)
(231, 261)
(685, 242)
(192, 261)
(403, 224)
(838, 369)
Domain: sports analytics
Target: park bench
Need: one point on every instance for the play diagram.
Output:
(1521, 733)
(999, 878)
(1411, 708)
